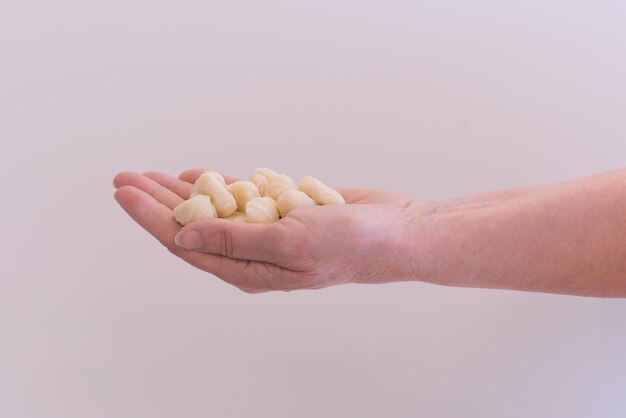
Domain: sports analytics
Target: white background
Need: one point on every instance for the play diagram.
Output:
(437, 99)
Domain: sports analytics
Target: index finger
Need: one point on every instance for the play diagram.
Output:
(148, 185)
(159, 221)
(178, 186)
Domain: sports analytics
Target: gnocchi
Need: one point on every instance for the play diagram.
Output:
(292, 199)
(261, 176)
(243, 191)
(194, 209)
(265, 198)
(262, 210)
(238, 217)
(278, 185)
(212, 184)
(195, 190)
(321, 193)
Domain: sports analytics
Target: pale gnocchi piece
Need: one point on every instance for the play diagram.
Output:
(278, 185)
(238, 217)
(292, 199)
(243, 191)
(195, 190)
(194, 209)
(262, 210)
(212, 184)
(318, 191)
(261, 176)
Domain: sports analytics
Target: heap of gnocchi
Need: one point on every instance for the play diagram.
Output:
(267, 197)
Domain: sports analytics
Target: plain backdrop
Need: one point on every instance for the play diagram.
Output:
(435, 98)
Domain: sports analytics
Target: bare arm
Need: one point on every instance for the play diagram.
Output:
(565, 238)
(561, 238)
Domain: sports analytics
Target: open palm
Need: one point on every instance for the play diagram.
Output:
(310, 248)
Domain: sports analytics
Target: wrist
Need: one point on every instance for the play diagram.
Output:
(418, 241)
(387, 241)
(404, 247)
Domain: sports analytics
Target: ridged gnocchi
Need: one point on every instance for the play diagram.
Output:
(292, 199)
(262, 210)
(266, 198)
(212, 184)
(243, 191)
(194, 209)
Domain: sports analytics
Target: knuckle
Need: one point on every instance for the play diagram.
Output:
(172, 248)
(225, 239)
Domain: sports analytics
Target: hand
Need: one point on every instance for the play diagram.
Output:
(315, 247)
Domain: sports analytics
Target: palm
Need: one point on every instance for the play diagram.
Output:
(150, 198)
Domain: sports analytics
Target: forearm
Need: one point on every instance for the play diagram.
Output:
(561, 238)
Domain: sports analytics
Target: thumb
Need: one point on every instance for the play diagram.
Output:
(246, 241)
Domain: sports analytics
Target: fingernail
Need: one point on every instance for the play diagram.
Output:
(189, 240)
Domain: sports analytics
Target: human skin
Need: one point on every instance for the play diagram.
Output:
(567, 238)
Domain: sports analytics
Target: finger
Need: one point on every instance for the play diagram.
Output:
(159, 221)
(245, 241)
(150, 214)
(154, 189)
(190, 176)
(180, 187)
(356, 195)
